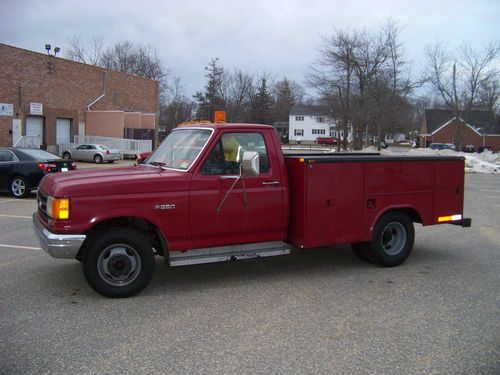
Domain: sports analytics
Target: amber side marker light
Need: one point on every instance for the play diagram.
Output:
(58, 208)
(442, 219)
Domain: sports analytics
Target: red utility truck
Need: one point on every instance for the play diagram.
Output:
(217, 192)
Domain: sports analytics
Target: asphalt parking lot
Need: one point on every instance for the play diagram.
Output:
(313, 312)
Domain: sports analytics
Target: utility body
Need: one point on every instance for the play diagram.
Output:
(215, 192)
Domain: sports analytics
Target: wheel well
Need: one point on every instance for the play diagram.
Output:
(150, 231)
(411, 212)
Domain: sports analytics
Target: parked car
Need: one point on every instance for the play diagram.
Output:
(469, 148)
(326, 141)
(21, 169)
(484, 148)
(96, 153)
(442, 146)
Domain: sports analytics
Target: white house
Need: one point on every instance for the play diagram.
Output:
(309, 122)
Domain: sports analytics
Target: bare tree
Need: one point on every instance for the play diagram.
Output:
(474, 71)
(236, 91)
(89, 53)
(365, 79)
(390, 84)
(333, 73)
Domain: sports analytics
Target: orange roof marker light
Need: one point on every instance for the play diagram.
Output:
(219, 117)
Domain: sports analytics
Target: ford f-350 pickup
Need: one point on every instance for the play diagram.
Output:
(216, 192)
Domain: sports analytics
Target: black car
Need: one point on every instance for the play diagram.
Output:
(21, 169)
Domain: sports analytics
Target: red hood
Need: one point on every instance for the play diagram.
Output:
(113, 181)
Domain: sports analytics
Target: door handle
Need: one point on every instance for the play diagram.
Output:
(226, 177)
(271, 183)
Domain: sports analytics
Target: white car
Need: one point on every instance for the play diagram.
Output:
(93, 153)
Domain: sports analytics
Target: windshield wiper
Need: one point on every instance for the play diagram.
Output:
(157, 163)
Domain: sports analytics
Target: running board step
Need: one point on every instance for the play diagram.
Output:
(225, 253)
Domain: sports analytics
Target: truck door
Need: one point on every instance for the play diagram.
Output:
(218, 218)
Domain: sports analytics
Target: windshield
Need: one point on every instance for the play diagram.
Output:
(180, 149)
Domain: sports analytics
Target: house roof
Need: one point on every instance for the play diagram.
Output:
(308, 110)
(484, 122)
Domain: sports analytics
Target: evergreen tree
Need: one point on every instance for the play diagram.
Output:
(284, 99)
(262, 104)
(211, 100)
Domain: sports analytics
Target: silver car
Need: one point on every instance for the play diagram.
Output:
(93, 153)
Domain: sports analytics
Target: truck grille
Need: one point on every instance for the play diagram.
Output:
(42, 203)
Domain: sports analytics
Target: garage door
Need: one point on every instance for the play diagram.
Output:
(63, 131)
(34, 131)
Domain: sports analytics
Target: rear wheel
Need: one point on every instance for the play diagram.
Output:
(119, 263)
(393, 239)
(97, 159)
(18, 187)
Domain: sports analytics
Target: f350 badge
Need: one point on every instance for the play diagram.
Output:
(165, 207)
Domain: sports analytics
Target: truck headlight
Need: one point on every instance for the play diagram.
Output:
(58, 208)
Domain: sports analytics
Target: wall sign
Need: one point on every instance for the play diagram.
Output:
(6, 109)
(36, 109)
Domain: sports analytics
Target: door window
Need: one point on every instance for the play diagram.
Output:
(227, 154)
(6, 156)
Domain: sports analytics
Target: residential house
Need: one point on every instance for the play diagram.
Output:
(309, 122)
(476, 128)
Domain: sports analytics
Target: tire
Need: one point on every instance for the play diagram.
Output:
(18, 187)
(97, 159)
(393, 239)
(362, 251)
(118, 263)
(66, 155)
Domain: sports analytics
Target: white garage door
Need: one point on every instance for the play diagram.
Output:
(63, 131)
(34, 131)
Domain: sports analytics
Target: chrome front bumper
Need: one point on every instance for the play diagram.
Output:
(57, 245)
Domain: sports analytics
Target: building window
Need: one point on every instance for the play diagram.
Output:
(318, 131)
(299, 132)
(320, 119)
(299, 118)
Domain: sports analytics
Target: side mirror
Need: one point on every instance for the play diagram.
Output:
(250, 164)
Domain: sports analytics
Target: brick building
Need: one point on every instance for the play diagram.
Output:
(476, 128)
(51, 100)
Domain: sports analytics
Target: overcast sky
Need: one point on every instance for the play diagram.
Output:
(277, 37)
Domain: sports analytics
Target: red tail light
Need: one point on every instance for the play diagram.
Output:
(107, 152)
(47, 167)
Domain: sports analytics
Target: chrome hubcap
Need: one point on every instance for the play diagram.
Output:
(394, 238)
(119, 265)
(18, 187)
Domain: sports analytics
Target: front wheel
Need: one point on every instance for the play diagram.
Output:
(66, 155)
(119, 263)
(393, 239)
